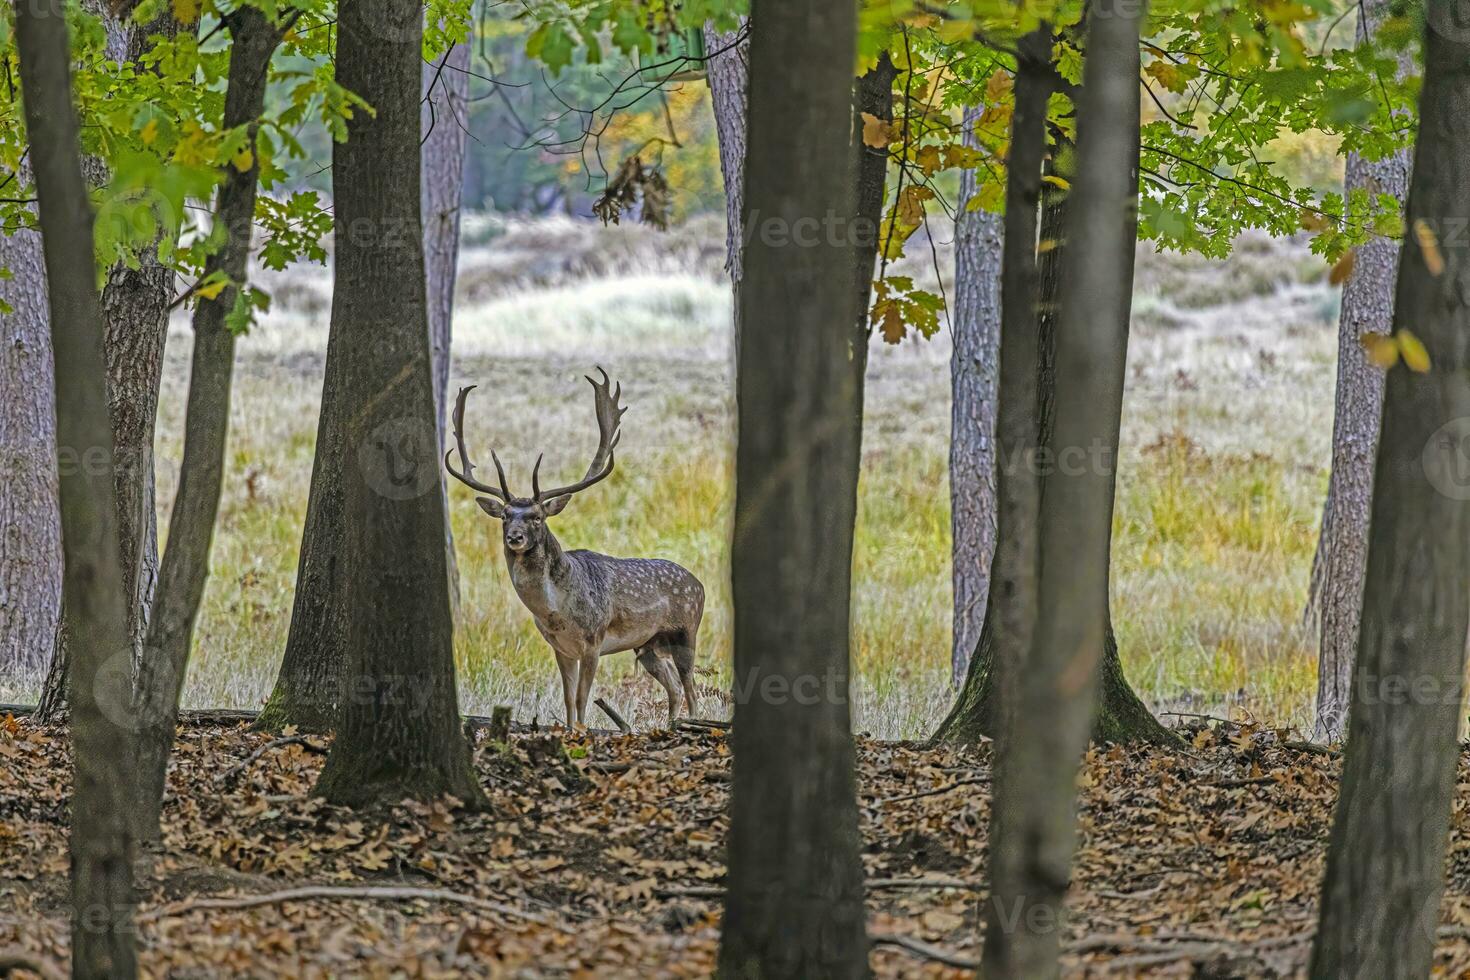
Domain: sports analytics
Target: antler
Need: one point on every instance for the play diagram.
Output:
(468, 476)
(609, 417)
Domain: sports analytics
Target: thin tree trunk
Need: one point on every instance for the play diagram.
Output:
(1385, 862)
(974, 372)
(1342, 548)
(101, 849)
(1019, 484)
(399, 733)
(30, 518)
(135, 307)
(729, 79)
(253, 40)
(1058, 680)
(446, 93)
(794, 905)
(1120, 716)
(872, 95)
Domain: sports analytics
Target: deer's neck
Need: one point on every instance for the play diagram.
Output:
(540, 575)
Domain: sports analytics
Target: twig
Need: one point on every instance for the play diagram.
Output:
(609, 767)
(975, 781)
(698, 891)
(275, 743)
(612, 713)
(14, 958)
(1237, 783)
(878, 884)
(701, 724)
(371, 893)
(872, 884)
(1313, 748)
(924, 950)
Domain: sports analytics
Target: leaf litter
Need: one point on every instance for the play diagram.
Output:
(602, 856)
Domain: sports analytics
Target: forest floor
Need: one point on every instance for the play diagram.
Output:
(607, 861)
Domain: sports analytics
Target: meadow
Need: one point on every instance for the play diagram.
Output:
(1227, 424)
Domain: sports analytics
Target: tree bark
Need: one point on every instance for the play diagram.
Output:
(872, 95)
(1058, 681)
(974, 379)
(446, 94)
(398, 734)
(1385, 862)
(729, 79)
(1120, 716)
(185, 571)
(30, 542)
(101, 849)
(1342, 548)
(1017, 557)
(794, 904)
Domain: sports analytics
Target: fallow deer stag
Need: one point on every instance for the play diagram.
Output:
(585, 604)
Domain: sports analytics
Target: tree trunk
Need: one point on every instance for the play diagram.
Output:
(1018, 485)
(447, 89)
(794, 905)
(1385, 862)
(1342, 548)
(399, 733)
(253, 40)
(873, 95)
(974, 373)
(30, 542)
(101, 849)
(729, 79)
(1058, 680)
(135, 307)
(1120, 716)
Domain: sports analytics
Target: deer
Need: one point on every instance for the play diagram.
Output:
(589, 605)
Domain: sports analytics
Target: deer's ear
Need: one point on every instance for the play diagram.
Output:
(491, 506)
(556, 505)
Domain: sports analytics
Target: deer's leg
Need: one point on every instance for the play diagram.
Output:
(568, 668)
(663, 673)
(684, 664)
(584, 684)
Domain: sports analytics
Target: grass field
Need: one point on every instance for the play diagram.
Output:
(1225, 447)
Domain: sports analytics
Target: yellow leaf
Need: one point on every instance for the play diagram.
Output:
(1381, 349)
(999, 86)
(212, 289)
(1170, 77)
(1428, 247)
(911, 205)
(243, 160)
(1416, 358)
(928, 159)
(1056, 181)
(149, 132)
(187, 11)
(1342, 270)
(890, 321)
(1313, 221)
(876, 132)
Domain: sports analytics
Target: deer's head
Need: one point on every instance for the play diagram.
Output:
(523, 519)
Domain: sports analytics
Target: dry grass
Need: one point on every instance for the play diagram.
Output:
(1226, 431)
